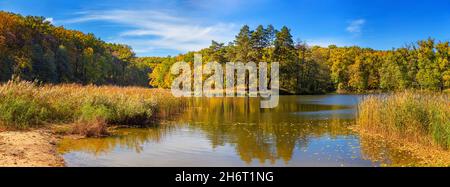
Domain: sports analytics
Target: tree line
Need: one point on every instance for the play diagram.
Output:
(33, 49)
(308, 69)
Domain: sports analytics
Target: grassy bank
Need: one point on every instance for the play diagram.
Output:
(88, 108)
(412, 116)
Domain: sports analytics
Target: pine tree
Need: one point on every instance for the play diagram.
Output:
(284, 53)
(243, 45)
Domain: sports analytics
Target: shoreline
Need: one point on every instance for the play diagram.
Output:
(30, 148)
(428, 156)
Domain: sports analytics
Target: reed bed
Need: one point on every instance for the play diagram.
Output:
(413, 116)
(27, 104)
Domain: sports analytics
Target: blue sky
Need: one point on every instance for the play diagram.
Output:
(170, 27)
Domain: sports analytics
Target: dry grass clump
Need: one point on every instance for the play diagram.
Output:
(26, 104)
(421, 117)
(95, 128)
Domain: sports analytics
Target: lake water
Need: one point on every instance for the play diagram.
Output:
(301, 131)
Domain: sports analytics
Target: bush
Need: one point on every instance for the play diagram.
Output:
(22, 112)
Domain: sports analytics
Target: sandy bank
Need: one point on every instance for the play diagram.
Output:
(34, 148)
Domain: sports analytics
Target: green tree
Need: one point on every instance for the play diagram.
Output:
(243, 45)
(443, 64)
(63, 66)
(285, 54)
(428, 75)
(391, 76)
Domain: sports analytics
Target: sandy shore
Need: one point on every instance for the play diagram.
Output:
(33, 148)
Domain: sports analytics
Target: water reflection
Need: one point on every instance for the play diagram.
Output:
(302, 131)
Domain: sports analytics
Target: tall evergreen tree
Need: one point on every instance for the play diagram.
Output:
(243, 45)
(284, 53)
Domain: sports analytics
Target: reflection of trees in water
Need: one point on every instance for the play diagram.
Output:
(247, 110)
(125, 138)
(270, 142)
(262, 134)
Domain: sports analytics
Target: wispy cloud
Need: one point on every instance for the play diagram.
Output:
(356, 26)
(224, 5)
(153, 30)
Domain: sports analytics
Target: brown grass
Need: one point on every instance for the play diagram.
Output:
(413, 116)
(96, 128)
(91, 108)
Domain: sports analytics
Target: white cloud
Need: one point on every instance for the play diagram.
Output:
(149, 30)
(49, 20)
(325, 42)
(356, 26)
(225, 5)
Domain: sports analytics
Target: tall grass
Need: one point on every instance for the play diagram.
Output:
(26, 104)
(421, 117)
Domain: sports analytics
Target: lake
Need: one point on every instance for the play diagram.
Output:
(213, 132)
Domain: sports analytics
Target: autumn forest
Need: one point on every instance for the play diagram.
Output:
(33, 49)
